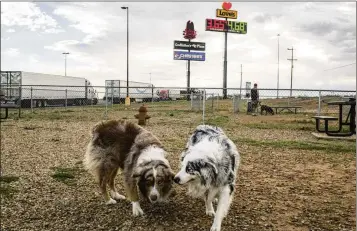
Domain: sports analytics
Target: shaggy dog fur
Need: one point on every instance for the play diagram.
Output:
(209, 166)
(138, 153)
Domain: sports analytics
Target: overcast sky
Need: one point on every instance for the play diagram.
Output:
(34, 35)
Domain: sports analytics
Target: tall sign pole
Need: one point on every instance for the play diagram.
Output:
(188, 73)
(225, 61)
(226, 27)
(241, 77)
(189, 33)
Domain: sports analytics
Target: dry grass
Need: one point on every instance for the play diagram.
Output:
(288, 180)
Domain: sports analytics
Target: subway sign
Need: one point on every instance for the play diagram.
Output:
(220, 25)
(221, 13)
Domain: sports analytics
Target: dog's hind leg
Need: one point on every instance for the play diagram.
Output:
(103, 180)
(113, 191)
(224, 202)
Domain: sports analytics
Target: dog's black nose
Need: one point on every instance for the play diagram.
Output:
(153, 197)
(177, 180)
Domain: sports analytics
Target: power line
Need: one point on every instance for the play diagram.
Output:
(339, 67)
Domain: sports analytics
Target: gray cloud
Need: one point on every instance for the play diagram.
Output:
(263, 18)
(319, 28)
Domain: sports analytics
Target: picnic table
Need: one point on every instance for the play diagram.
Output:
(6, 105)
(349, 121)
(292, 109)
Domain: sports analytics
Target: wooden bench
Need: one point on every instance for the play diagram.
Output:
(289, 108)
(326, 119)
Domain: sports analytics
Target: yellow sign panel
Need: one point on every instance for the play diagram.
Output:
(221, 13)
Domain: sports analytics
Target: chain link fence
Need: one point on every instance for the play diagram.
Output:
(36, 98)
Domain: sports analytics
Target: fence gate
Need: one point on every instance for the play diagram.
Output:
(196, 101)
(236, 103)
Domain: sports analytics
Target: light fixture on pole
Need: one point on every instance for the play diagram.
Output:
(127, 100)
(65, 62)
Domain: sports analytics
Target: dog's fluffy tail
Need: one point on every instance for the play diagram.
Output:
(92, 161)
(93, 156)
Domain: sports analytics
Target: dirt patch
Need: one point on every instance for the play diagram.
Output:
(288, 180)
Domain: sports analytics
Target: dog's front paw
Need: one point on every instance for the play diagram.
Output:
(110, 202)
(137, 211)
(210, 213)
(215, 227)
(117, 196)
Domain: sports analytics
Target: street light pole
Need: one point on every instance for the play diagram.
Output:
(65, 62)
(277, 92)
(127, 53)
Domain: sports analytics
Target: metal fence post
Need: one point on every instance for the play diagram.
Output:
(203, 106)
(152, 93)
(191, 100)
(91, 97)
(31, 102)
(112, 94)
(20, 96)
(106, 103)
(212, 101)
(65, 102)
(319, 109)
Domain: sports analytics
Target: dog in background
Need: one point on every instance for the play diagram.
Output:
(208, 167)
(266, 108)
(138, 153)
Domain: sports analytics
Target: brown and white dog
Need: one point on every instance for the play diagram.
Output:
(138, 153)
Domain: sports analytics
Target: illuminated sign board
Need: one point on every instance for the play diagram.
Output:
(223, 25)
(221, 13)
(185, 55)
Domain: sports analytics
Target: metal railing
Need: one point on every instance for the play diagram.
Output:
(46, 96)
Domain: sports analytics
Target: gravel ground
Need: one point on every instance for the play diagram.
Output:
(287, 180)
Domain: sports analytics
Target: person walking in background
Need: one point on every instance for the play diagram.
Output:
(254, 94)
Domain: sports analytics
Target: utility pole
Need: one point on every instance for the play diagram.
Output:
(292, 66)
(241, 76)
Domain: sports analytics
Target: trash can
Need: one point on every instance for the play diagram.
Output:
(249, 107)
